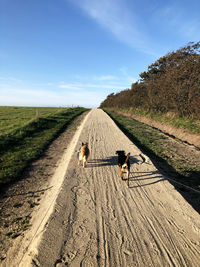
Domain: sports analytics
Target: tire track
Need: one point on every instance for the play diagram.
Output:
(109, 224)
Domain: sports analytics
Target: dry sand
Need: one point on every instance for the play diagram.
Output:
(91, 217)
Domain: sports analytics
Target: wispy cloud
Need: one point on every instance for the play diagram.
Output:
(191, 30)
(30, 97)
(89, 91)
(70, 87)
(177, 20)
(55, 94)
(10, 79)
(133, 26)
(130, 79)
(116, 17)
(83, 86)
(120, 80)
(96, 78)
(105, 78)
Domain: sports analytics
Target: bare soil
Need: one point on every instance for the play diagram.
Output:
(97, 220)
(18, 201)
(182, 134)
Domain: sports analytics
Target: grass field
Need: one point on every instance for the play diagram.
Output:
(25, 133)
(12, 118)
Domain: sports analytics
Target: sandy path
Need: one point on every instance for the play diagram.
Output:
(99, 221)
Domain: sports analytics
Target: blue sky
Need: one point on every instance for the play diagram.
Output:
(76, 52)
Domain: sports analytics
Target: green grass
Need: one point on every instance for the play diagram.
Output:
(157, 146)
(144, 135)
(192, 125)
(14, 118)
(24, 137)
(20, 224)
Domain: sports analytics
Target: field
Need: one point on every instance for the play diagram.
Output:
(13, 118)
(24, 134)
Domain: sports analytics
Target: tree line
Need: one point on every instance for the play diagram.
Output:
(171, 84)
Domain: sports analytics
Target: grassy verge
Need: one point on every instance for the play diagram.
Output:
(157, 146)
(192, 125)
(24, 144)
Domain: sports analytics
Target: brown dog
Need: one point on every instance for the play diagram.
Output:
(83, 154)
(124, 163)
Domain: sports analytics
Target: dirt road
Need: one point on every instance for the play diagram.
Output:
(97, 220)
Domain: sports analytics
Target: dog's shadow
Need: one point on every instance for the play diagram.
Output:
(109, 161)
(152, 176)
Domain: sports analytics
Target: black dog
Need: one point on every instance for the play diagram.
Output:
(124, 163)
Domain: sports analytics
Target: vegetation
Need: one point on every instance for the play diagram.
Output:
(13, 118)
(25, 133)
(169, 91)
(191, 124)
(171, 84)
(157, 146)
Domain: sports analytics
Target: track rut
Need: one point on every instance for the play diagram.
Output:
(99, 221)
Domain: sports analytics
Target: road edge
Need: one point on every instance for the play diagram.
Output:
(27, 249)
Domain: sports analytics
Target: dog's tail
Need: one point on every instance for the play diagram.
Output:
(127, 157)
